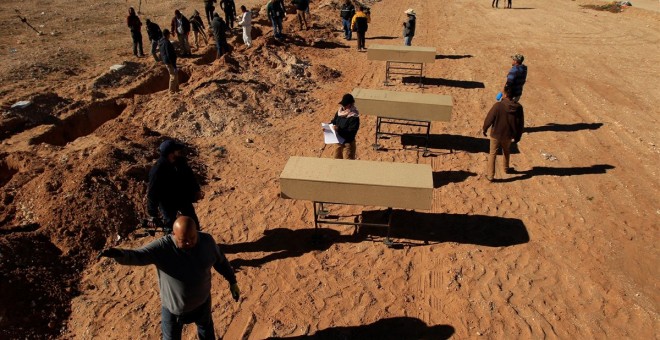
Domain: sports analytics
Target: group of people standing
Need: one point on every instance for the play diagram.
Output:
(181, 27)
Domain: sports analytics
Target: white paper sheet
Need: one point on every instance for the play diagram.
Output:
(330, 135)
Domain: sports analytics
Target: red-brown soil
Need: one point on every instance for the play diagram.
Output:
(566, 248)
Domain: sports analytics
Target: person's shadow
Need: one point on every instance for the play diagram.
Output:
(548, 171)
(563, 127)
(399, 328)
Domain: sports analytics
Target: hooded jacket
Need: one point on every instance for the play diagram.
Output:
(507, 120)
(219, 28)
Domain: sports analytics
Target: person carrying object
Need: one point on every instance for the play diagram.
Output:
(198, 28)
(346, 124)
(246, 24)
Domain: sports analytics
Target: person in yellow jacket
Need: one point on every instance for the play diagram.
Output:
(359, 25)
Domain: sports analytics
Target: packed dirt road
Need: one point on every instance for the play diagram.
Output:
(564, 248)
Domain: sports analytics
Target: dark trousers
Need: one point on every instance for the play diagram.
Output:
(277, 27)
(221, 47)
(229, 19)
(137, 43)
(508, 4)
(170, 215)
(154, 48)
(172, 325)
(495, 3)
(346, 24)
(361, 40)
(208, 9)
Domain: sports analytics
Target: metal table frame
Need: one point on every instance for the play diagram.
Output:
(406, 122)
(407, 71)
(320, 214)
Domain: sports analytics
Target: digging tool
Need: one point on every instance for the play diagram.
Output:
(24, 20)
(139, 6)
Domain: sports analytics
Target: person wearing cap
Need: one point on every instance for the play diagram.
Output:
(155, 34)
(172, 188)
(183, 261)
(517, 76)
(180, 29)
(198, 28)
(507, 120)
(168, 56)
(346, 123)
(135, 25)
(360, 25)
(409, 27)
(346, 13)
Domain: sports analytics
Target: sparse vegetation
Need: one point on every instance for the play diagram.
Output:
(612, 7)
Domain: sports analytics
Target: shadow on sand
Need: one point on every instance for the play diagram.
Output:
(452, 142)
(456, 56)
(465, 84)
(547, 171)
(391, 328)
(414, 228)
(564, 127)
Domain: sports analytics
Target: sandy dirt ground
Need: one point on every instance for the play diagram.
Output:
(565, 248)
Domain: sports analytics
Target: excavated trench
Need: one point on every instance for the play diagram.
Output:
(80, 123)
(6, 173)
(86, 120)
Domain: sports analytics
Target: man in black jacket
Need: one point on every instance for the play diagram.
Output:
(220, 33)
(172, 186)
(154, 33)
(229, 7)
(346, 123)
(346, 13)
(168, 56)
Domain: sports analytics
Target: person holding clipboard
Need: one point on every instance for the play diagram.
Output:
(345, 125)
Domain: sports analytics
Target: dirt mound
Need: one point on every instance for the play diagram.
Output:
(45, 108)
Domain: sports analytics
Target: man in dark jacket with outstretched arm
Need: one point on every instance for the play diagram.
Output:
(183, 260)
(507, 121)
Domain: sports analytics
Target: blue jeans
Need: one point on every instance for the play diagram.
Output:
(347, 29)
(407, 40)
(172, 325)
(277, 27)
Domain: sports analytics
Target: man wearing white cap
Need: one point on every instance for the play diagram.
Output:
(409, 27)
